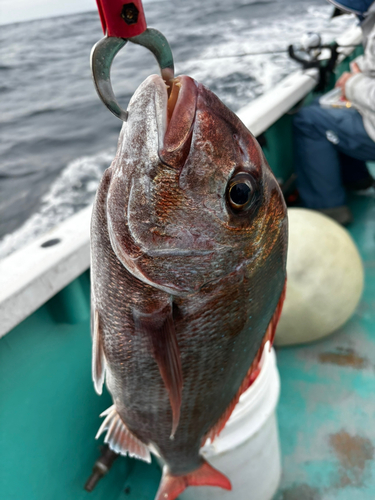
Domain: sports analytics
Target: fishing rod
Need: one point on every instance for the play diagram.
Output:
(261, 53)
(243, 54)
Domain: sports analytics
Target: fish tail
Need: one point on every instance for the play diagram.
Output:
(172, 486)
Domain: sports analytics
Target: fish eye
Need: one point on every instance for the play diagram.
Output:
(241, 191)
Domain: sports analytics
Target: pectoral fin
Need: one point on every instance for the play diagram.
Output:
(98, 360)
(158, 327)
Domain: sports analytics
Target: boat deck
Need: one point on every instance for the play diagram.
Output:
(327, 405)
(50, 412)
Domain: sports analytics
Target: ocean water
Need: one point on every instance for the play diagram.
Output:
(57, 137)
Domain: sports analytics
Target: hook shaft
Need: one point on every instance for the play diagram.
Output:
(104, 52)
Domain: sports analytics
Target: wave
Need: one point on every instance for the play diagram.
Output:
(239, 80)
(73, 190)
(42, 134)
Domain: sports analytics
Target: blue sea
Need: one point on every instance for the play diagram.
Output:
(57, 137)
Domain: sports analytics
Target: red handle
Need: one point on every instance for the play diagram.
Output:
(121, 18)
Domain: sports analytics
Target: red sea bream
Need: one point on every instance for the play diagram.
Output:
(188, 240)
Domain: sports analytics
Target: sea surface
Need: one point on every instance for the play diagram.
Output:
(57, 137)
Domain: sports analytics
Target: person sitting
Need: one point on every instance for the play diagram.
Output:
(332, 145)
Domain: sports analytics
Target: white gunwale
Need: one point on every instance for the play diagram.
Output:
(32, 275)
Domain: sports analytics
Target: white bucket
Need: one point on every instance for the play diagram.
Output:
(247, 450)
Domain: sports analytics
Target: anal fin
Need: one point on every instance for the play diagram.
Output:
(119, 438)
(172, 486)
(98, 359)
(158, 328)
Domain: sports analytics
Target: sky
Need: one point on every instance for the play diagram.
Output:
(14, 11)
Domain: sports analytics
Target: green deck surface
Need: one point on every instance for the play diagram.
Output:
(327, 406)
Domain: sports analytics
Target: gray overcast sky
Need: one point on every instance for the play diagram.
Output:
(12, 11)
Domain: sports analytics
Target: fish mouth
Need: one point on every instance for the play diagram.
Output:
(179, 117)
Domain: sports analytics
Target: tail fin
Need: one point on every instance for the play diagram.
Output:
(172, 486)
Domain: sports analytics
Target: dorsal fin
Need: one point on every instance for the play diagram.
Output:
(98, 360)
(158, 327)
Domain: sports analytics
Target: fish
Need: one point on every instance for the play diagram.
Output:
(188, 274)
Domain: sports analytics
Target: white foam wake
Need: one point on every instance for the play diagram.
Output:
(239, 80)
(74, 189)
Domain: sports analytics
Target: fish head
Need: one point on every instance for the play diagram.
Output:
(192, 198)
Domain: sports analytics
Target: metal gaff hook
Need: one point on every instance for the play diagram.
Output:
(104, 52)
